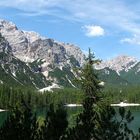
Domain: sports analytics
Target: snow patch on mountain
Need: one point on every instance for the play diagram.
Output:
(29, 46)
(70, 82)
(49, 88)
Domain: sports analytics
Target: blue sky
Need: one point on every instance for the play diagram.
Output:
(109, 27)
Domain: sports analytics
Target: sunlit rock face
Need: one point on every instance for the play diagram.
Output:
(29, 46)
(118, 64)
(47, 55)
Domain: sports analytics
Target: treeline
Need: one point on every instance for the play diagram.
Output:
(10, 97)
(117, 94)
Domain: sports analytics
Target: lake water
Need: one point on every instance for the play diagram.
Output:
(72, 112)
(135, 124)
(3, 116)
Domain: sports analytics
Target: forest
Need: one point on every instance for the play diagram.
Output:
(96, 121)
(10, 96)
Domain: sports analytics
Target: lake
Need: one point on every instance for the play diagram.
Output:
(3, 116)
(72, 112)
(135, 124)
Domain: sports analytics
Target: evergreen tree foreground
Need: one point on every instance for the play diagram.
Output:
(97, 121)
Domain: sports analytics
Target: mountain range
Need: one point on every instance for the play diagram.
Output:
(28, 59)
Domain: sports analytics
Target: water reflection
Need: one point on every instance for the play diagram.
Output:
(3, 117)
(74, 111)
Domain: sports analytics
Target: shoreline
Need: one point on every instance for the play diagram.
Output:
(122, 104)
(1, 110)
(73, 105)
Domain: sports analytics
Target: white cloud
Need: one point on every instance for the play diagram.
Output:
(116, 14)
(93, 30)
(135, 40)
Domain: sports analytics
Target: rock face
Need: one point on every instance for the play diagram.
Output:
(118, 64)
(44, 54)
(34, 46)
(15, 37)
(14, 72)
(32, 36)
(4, 46)
(122, 70)
(44, 62)
(75, 51)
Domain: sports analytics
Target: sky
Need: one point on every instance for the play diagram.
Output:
(109, 27)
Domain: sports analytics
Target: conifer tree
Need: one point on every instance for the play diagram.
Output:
(98, 119)
(55, 124)
(89, 82)
(20, 125)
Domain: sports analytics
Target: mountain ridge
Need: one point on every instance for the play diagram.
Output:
(126, 69)
(54, 61)
(119, 63)
(44, 55)
(29, 40)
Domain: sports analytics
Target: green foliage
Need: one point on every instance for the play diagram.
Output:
(63, 76)
(55, 123)
(133, 75)
(130, 94)
(9, 97)
(21, 124)
(98, 120)
(110, 77)
(85, 123)
(111, 127)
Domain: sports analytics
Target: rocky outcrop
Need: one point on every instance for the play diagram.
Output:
(43, 54)
(4, 46)
(76, 52)
(30, 46)
(118, 64)
(27, 58)
(14, 72)
(15, 37)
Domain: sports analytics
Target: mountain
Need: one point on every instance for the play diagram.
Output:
(111, 77)
(34, 46)
(122, 70)
(118, 64)
(13, 71)
(28, 59)
(54, 60)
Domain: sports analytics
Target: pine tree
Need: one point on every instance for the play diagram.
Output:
(20, 125)
(89, 82)
(55, 124)
(98, 119)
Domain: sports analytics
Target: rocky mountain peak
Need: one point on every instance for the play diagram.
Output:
(119, 63)
(7, 25)
(55, 60)
(16, 38)
(43, 62)
(30, 46)
(33, 36)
